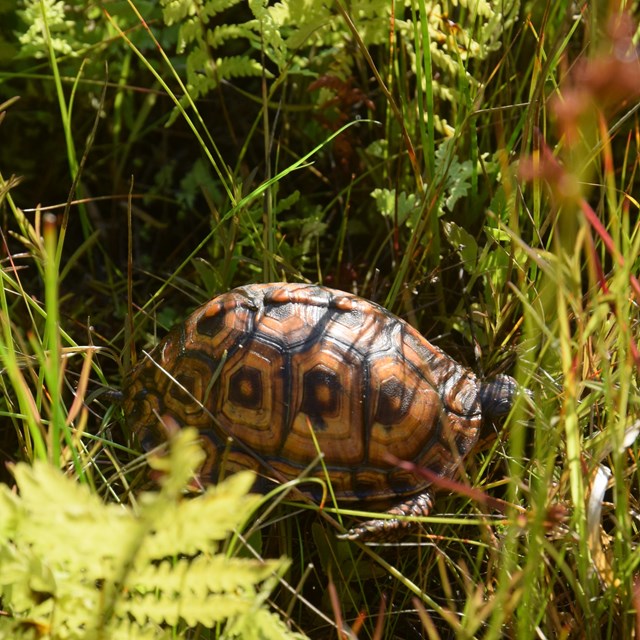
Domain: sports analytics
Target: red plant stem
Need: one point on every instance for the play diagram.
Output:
(597, 225)
(554, 178)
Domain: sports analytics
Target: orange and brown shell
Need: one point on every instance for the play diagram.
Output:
(256, 369)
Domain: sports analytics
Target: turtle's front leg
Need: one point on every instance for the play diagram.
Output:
(383, 530)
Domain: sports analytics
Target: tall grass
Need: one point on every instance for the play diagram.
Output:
(524, 259)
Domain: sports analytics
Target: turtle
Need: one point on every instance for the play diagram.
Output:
(272, 374)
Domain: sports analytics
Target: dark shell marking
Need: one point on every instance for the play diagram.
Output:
(254, 367)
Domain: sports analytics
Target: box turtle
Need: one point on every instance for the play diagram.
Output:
(257, 368)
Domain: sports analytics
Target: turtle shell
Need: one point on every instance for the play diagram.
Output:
(273, 374)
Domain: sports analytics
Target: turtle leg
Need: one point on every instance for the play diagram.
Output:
(382, 530)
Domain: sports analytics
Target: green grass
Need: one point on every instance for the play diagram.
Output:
(504, 227)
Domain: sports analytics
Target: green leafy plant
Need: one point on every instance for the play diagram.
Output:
(205, 71)
(48, 22)
(74, 567)
(286, 32)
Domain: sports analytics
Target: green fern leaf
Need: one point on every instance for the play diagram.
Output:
(212, 8)
(175, 11)
(205, 72)
(78, 568)
(260, 625)
(177, 469)
(215, 608)
(194, 525)
(131, 630)
(404, 208)
(239, 66)
(51, 502)
(268, 30)
(223, 33)
(201, 576)
(190, 31)
(62, 30)
(305, 22)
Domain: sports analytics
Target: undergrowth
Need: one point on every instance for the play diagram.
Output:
(473, 166)
(131, 573)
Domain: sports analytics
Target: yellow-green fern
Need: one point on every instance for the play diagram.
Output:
(73, 567)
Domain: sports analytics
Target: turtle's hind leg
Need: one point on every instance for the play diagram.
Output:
(386, 529)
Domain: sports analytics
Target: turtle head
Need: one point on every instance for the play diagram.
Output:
(142, 405)
(497, 395)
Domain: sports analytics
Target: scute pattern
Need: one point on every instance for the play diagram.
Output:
(254, 369)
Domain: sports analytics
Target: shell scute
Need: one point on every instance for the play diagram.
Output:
(221, 324)
(244, 395)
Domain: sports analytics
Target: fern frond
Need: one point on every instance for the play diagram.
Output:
(238, 67)
(267, 29)
(215, 608)
(50, 502)
(195, 525)
(61, 29)
(221, 34)
(260, 625)
(304, 23)
(212, 8)
(82, 569)
(200, 576)
(190, 31)
(174, 11)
